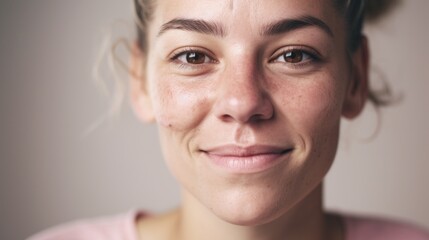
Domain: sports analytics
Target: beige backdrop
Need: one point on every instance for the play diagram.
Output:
(51, 171)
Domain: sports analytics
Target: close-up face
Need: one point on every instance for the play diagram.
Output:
(248, 96)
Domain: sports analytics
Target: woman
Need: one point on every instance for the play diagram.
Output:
(248, 97)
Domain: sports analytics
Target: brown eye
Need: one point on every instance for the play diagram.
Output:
(195, 58)
(192, 57)
(294, 56)
(193, 61)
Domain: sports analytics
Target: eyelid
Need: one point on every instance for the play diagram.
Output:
(315, 55)
(188, 49)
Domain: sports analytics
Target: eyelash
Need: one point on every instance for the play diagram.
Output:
(189, 50)
(311, 56)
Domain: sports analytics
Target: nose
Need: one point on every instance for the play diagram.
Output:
(241, 96)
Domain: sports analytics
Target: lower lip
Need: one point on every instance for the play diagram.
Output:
(247, 164)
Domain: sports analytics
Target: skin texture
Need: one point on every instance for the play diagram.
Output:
(244, 94)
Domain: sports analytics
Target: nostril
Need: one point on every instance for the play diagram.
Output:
(264, 112)
(226, 118)
(260, 117)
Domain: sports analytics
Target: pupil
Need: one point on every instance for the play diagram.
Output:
(195, 58)
(293, 56)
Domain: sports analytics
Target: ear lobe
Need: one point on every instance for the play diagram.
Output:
(140, 99)
(357, 90)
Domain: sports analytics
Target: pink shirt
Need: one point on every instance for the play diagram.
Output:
(122, 227)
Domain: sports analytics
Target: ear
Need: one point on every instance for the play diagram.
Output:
(139, 96)
(357, 89)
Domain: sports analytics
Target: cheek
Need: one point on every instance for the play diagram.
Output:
(177, 106)
(315, 105)
(314, 110)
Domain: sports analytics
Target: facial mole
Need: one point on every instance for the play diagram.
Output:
(165, 122)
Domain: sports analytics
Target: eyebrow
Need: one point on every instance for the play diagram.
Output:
(287, 25)
(275, 28)
(194, 25)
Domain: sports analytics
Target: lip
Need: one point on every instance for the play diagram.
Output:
(249, 159)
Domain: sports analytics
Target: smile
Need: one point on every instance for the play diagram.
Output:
(252, 159)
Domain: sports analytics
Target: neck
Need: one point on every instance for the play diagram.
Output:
(304, 221)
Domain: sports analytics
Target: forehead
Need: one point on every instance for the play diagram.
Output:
(248, 14)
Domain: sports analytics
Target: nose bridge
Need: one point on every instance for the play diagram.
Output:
(241, 95)
(245, 83)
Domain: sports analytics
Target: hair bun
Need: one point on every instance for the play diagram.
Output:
(376, 9)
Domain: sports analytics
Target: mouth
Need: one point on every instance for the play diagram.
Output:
(251, 159)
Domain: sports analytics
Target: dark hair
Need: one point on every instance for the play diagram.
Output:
(143, 11)
(355, 13)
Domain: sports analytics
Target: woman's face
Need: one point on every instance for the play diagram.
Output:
(248, 97)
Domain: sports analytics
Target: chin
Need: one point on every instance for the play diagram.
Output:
(249, 217)
(260, 205)
(250, 209)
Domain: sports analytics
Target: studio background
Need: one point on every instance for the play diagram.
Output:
(54, 170)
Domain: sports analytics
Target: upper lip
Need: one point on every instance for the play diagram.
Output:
(232, 150)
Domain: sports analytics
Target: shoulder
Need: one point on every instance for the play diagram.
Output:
(372, 228)
(120, 227)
